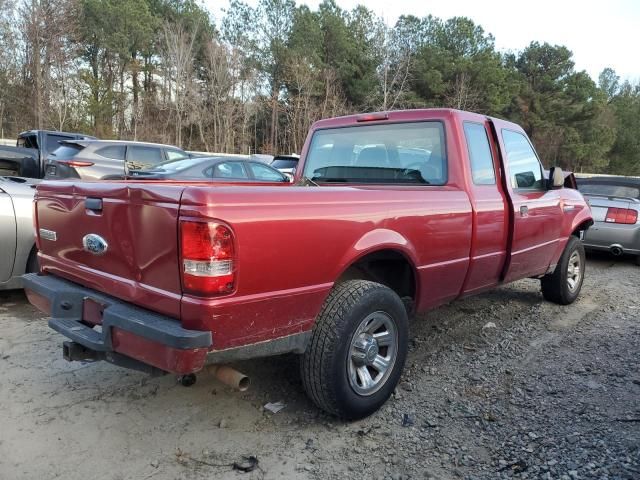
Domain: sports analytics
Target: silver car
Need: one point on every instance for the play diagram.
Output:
(17, 239)
(615, 203)
(106, 159)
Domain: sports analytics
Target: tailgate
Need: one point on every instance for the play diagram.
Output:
(118, 238)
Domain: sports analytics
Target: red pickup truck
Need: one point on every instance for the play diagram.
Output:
(390, 214)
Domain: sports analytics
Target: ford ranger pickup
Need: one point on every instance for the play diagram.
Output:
(389, 214)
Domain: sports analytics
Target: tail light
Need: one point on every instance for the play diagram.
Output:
(625, 216)
(75, 163)
(208, 257)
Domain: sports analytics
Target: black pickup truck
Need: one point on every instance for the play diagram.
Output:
(28, 157)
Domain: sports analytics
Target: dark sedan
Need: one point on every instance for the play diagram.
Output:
(234, 169)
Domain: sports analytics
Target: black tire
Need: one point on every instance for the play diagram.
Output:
(33, 266)
(326, 362)
(638, 260)
(555, 286)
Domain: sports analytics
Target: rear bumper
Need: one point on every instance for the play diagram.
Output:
(603, 235)
(115, 331)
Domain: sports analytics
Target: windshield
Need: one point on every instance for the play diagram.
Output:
(411, 153)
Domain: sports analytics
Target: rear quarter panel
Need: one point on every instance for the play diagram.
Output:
(294, 242)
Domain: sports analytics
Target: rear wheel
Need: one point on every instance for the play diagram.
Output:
(357, 351)
(638, 260)
(564, 284)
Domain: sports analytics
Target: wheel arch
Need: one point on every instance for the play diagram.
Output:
(581, 227)
(33, 255)
(383, 256)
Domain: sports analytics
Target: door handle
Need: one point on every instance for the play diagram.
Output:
(524, 211)
(94, 204)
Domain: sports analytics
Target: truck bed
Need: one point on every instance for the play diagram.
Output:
(280, 230)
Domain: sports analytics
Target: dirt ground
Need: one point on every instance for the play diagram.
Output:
(502, 385)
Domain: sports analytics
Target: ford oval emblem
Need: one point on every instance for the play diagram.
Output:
(95, 244)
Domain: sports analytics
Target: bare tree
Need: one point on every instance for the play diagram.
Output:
(396, 61)
(462, 94)
(45, 29)
(178, 51)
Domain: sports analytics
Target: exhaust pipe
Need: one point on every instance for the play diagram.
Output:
(230, 376)
(616, 250)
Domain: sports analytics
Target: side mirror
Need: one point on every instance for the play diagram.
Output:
(556, 178)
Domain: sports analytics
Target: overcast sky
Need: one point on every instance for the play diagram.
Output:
(604, 33)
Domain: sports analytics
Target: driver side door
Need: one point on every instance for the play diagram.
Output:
(536, 211)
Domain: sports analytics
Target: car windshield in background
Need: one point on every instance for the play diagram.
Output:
(609, 190)
(284, 163)
(407, 153)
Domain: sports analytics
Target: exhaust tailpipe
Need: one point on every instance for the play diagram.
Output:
(230, 376)
(616, 250)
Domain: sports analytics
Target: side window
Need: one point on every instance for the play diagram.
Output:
(176, 154)
(264, 173)
(480, 156)
(113, 151)
(139, 156)
(233, 170)
(53, 142)
(28, 141)
(525, 170)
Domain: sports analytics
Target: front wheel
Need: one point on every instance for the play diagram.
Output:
(357, 350)
(564, 284)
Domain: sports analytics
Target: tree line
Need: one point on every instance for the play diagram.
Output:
(256, 79)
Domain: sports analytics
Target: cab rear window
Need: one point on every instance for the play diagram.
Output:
(399, 153)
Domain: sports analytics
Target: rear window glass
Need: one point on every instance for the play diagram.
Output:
(177, 165)
(176, 154)
(53, 141)
(265, 172)
(284, 163)
(115, 152)
(608, 190)
(407, 153)
(66, 151)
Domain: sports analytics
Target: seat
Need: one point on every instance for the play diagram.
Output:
(372, 157)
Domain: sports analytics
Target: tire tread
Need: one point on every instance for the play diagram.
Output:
(319, 353)
(554, 288)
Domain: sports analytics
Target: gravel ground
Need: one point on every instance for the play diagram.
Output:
(502, 385)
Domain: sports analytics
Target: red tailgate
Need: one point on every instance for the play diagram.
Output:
(131, 241)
